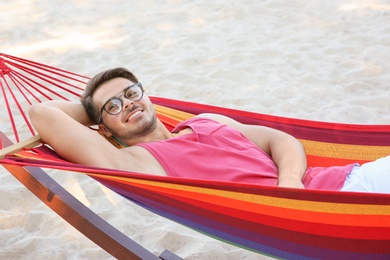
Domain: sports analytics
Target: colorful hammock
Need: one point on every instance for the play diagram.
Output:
(280, 222)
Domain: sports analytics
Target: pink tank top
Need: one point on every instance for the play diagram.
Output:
(218, 152)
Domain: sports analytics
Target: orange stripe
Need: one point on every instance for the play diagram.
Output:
(325, 223)
(303, 205)
(345, 151)
(173, 113)
(285, 213)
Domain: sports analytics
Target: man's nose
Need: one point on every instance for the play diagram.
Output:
(127, 103)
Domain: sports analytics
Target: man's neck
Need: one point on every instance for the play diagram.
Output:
(158, 134)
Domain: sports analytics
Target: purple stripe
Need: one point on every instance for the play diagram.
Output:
(255, 241)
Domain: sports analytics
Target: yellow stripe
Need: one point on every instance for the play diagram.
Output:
(345, 151)
(173, 113)
(314, 206)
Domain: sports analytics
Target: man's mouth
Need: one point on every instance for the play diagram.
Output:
(133, 114)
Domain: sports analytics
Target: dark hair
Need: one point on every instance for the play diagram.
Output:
(96, 82)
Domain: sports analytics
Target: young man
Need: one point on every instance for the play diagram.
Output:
(208, 146)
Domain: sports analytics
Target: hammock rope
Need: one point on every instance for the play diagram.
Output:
(34, 82)
(11, 117)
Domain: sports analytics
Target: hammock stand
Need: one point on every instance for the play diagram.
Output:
(286, 223)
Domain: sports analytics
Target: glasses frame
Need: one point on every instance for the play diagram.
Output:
(138, 84)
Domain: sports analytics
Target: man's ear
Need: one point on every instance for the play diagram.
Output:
(104, 130)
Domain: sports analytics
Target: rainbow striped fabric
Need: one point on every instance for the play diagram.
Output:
(280, 222)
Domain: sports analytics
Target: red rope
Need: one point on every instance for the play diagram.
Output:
(31, 82)
(10, 115)
(47, 67)
(22, 113)
(47, 78)
(18, 87)
(18, 79)
(3, 68)
(34, 81)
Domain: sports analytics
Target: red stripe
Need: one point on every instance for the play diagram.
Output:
(251, 212)
(234, 219)
(277, 192)
(322, 161)
(378, 135)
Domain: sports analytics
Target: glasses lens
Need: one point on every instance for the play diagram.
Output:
(133, 93)
(113, 106)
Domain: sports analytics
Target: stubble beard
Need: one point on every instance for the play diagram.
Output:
(141, 128)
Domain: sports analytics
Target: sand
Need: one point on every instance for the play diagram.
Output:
(317, 60)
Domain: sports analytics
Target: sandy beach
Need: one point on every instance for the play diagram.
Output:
(318, 60)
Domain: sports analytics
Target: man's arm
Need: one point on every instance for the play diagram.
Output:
(72, 109)
(62, 125)
(286, 151)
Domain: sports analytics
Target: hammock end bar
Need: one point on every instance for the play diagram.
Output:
(28, 143)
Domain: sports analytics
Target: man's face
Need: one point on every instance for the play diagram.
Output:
(137, 118)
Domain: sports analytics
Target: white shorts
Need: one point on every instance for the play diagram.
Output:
(370, 177)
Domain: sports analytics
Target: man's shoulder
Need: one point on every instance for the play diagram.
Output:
(138, 159)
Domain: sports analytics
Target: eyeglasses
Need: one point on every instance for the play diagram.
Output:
(114, 105)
